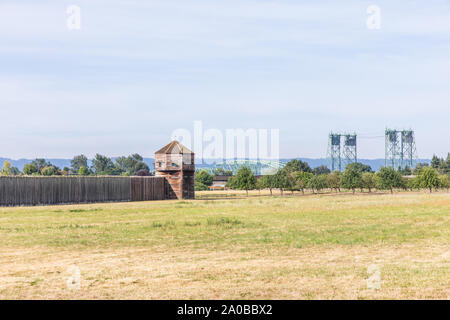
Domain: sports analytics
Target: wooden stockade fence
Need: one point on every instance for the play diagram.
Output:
(148, 188)
(17, 191)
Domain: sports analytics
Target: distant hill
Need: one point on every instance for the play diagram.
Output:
(375, 164)
(20, 163)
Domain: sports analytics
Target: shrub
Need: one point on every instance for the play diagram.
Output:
(352, 178)
(413, 183)
(204, 177)
(6, 171)
(83, 171)
(334, 180)
(444, 181)
(49, 171)
(368, 180)
(318, 182)
(388, 179)
(429, 178)
(245, 180)
(198, 186)
(30, 169)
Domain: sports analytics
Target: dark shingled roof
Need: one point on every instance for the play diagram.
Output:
(174, 147)
(221, 178)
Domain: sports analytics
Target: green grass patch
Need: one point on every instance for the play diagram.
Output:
(295, 222)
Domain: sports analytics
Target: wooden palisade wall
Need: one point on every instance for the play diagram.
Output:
(16, 191)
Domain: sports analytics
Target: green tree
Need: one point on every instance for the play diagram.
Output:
(121, 164)
(83, 171)
(404, 184)
(266, 182)
(334, 180)
(79, 161)
(447, 164)
(285, 179)
(318, 182)
(435, 162)
(292, 182)
(281, 180)
(296, 165)
(352, 178)
(388, 179)
(412, 183)
(360, 167)
(103, 165)
(444, 181)
(428, 178)
(6, 171)
(321, 170)
(15, 171)
(40, 164)
(231, 183)
(259, 185)
(302, 180)
(441, 165)
(130, 165)
(49, 171)
(198, 186)
(368, 180)
(406, 171)
(420, 166)
(138, 165)
(244, 179)
(30, 169)
(204, 178)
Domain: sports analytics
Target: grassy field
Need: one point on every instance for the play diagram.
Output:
(291, 247)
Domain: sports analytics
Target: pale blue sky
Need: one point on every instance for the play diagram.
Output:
(137, 70)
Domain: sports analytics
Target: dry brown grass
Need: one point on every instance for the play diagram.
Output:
(339, 272)
(219, 260)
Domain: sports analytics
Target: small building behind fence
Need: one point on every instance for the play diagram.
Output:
(220, 182)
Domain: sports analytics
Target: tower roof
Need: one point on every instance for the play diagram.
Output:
(174, 148)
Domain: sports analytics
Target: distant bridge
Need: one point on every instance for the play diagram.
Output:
(258, 167)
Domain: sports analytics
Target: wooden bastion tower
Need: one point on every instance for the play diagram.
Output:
(175, 162)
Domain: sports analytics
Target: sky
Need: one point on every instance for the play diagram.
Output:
(138, 70)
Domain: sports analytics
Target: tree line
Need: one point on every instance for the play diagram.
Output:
(297, 175)
(440, 164)
(100, 165)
